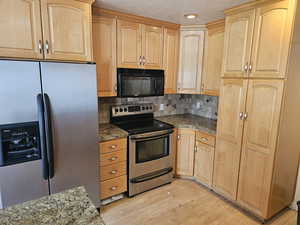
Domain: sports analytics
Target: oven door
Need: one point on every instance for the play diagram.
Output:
(150, 153)
(140, 83)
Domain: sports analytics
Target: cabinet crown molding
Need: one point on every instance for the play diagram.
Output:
(216, 24)
(97, 11)
(247, 6)
(193, 27)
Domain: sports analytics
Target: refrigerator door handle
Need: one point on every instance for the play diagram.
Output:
(42, 136)
(49, 135)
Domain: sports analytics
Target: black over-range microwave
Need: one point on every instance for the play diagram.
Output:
(140, 82)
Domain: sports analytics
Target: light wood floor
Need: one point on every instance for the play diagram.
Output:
(183, 202)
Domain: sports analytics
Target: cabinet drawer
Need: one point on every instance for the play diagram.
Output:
(113, 171)
(205, 138)
(112, 146)
(113, 187)
(113, 157)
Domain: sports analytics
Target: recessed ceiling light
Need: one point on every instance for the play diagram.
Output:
(191, 16)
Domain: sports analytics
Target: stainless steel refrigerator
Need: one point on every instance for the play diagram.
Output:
(48, 130)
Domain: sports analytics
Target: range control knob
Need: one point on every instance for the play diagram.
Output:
(121, 109)
(125, 110)
(143, 107)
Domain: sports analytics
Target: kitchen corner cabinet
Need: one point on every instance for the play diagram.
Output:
(213, 58)
(170, 58)
(139, 45)
(257, 41)
(190, 60)
(47, 29)
(185, 152)
(104, 46)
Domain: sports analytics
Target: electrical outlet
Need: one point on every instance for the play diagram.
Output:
(161, 107)
(198, 105)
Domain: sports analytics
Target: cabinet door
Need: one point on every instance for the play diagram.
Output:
(152, 47)
(104, 39)
(238, 42)
(213, 61)
(170, 60)
(185, 152)
(67, 30)
(20, 29)
(271, 40)
(204, 161)
(191, 56)
(229, 136)
(259, 142)
(129, 44)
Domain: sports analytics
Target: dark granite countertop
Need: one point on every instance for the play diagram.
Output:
(72, 207)
(108, 132)
(191, 121)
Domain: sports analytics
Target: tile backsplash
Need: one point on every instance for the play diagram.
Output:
(201, 105)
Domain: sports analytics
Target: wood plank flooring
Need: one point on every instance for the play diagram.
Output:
(183, 202)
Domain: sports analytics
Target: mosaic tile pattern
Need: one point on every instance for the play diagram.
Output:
(200, 105)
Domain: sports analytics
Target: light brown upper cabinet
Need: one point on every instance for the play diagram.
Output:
(257, 41)
(185, 152)
(190, 60)
(213, 58)
(259, 144)
(139, 45)
(271, 40)
(229, 136)
(238, 42)
(104, 45)
(129, 47)
(20, 29)
(65, 25)
(171, 42)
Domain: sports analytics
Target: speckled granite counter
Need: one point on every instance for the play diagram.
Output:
(191, 121)
(71, 207)
(109, 132)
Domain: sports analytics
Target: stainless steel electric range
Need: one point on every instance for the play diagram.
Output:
(150, 151)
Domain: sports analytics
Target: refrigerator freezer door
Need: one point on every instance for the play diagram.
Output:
(72, 94)
(19, 86)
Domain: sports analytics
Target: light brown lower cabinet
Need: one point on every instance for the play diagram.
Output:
(185, 152)
(113, 167)
(203, 169)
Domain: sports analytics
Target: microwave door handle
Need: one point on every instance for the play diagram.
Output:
(49, 135)
(41, 120)
(151, 137)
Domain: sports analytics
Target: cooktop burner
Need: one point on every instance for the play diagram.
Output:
(137, 119)
(140, 126)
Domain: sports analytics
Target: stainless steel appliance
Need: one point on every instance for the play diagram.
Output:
(150, 149)
(48, 130)
(140, 82)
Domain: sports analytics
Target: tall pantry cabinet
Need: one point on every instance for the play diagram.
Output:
(249, 158)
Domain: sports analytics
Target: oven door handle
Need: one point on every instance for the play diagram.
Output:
(151, 176)
(152, 137)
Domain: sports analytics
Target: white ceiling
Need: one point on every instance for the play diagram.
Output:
(173, 10)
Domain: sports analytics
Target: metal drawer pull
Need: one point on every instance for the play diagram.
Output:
(40, 47)
(113, 171)
(246, 68)
(114, 188)
(245, 116)
(113, 146)
(47, 47)
(204, 139)
(113, 158)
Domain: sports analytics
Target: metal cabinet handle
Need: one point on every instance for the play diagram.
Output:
(196, 149)
(47, 46)
(144, 60)
(241, 115)
(246, 67)
(250, 68)
(245, 116)
(113, 147)
(178, 137)
(113, 171)
(113, 158)
(115, 88)
(40, 46)
(114, 188)
(140, 60)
